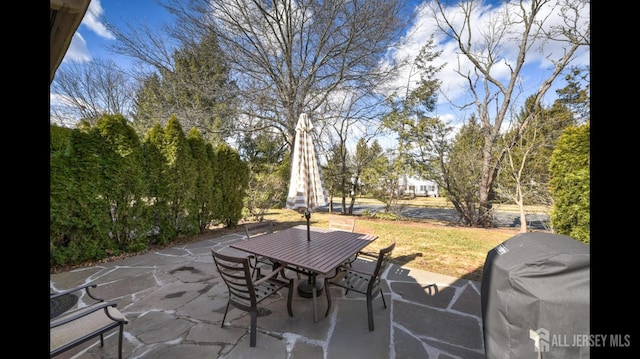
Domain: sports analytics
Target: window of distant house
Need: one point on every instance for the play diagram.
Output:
(432, 188)
(412, 188)
(423, 188)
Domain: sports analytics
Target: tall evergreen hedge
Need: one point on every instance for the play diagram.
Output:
(232, 178)
(111, 193)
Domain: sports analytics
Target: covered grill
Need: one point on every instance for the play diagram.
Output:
(535, 298)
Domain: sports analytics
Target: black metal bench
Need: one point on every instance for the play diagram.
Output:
(82, 323)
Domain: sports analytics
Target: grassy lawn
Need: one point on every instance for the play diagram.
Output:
(422, 244)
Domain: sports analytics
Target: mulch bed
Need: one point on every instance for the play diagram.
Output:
(208, 234)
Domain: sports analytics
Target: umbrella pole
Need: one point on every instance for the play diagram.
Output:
(307, 215)
(305, 289)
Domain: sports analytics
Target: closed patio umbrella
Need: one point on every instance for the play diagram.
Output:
(306, 190)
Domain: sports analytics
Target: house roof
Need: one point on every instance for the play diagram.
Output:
(65, 17)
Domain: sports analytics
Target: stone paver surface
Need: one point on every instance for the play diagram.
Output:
(175, 301)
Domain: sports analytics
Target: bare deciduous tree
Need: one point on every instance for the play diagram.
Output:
(90, 90)
(287, 57)
(350, 115)
(524, 174)
(523, 23)
(516, 168)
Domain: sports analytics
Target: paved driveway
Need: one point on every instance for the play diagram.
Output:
(502, 219)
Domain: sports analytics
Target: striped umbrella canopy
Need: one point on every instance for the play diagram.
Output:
(306, 190)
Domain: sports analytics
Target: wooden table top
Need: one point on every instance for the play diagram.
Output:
(326, 250)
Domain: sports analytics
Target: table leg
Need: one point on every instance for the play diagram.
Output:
(315, 297)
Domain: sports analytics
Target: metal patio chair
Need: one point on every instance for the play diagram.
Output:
(342, 223)
(361, 281)
(245, 291)
(256, 229)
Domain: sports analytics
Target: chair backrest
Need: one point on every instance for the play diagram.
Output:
(257, 228)
(236, 273)
(384, 258)
(342, 223)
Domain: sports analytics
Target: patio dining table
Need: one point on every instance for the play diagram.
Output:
(325, 251)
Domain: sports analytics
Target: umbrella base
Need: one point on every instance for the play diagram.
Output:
(305, 291)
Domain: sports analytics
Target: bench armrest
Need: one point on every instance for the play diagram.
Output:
(79, 288)
(83, 312)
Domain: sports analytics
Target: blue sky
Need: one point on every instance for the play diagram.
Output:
(92, 39)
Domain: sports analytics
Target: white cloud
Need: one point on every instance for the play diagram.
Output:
(92, 20)
(54, 99)
(78, 51)
(454, 86)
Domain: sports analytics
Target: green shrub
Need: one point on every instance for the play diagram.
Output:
(570, 184)
(386, 216)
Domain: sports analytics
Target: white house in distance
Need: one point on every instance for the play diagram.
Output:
(413, 186)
